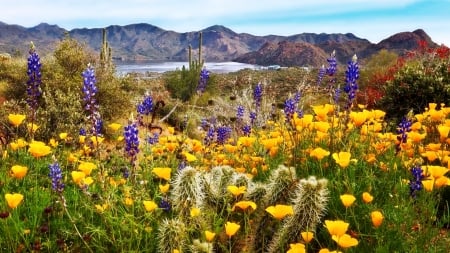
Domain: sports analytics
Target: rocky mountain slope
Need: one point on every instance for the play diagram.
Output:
(151, 43)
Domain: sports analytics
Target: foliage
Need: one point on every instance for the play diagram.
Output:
(423, 78)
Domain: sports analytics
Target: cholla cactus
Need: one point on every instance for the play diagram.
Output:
(171, 236)
(187, 191)
(281, 182)
(201, 247)
(215, 184)
(309, 204)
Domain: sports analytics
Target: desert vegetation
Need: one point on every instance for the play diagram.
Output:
(333, 159)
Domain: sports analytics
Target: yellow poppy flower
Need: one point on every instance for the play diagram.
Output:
(231, 228)
(164, 188)
(296, 248)
(86, 167)
(96, 140)
(244, 205)
(163, 173)
(280, 211)
(367, 198)
(87, 181)
(319, 153)
(325, 250)
(32, 127)
(78, 176)
(189, 157)
(377, 218)
(342, 158)
(114, 126)
(307, 236)
(435, 171)
(443, 132)
(13, 200)
(336, 227)
(128, 201)
(149, 205)
(18, 171)
(345, 241)
(38, 149)
(101, 208)
(347, 199)
(16, 119)
(195, 212)
(53, 143)
(209, 235)
(236, 191)
(63, 136)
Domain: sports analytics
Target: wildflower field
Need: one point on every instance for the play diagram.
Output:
(278, 175)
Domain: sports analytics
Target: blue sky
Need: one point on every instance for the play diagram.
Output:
(373, 20)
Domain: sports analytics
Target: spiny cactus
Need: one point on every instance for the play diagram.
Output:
(187, 191)
(201, 247)
(281, 183)
(171, 236)
(216, 182)
(309, 204)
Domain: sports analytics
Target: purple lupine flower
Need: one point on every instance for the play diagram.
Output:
(131, 135)
(402, 130)
(34, 79)
(164, 204)
(82, 132)
(289, 108)
(203, 81)
(297, 97)
(223, 134)
(153, 139)
(415, 184)
(337, 95)
(332, 64)
(252, 117)
(209, 137)
(322, 72)
(146, 107)
(247, 129)
(56, 177)
(351, 76)
(240, 112)
(182, 165)
(257, 95)
(204, 124)
(89, 89)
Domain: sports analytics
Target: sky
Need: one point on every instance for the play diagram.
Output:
(374, 20)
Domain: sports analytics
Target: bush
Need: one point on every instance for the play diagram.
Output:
(423, 79)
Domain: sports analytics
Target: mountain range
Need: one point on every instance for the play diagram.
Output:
(145, 42)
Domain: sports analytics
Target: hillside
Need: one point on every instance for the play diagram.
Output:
(151, 43)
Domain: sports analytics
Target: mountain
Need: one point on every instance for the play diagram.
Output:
(151, 43)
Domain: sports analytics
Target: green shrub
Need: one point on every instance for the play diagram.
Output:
(423, 79)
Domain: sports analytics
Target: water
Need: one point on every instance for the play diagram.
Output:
(161, 67)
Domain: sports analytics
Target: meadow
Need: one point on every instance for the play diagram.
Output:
(340, 159)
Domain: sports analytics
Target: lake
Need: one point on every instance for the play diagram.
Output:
(160, 67)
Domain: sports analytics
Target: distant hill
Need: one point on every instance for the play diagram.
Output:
(151, 43)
